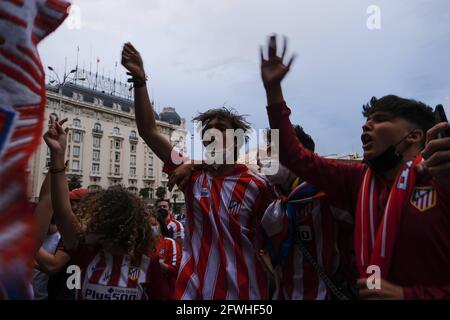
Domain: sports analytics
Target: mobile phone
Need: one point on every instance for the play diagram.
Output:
(439, 115)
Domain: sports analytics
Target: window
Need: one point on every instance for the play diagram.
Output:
(95, 167)
(76, 151)
(96, 155)
(76, 122)
(117, 156)
(133, 134)
(133, 148)
(117, 169)
(150, 160)
(97, 142)
(117, 144)
(150, 172)
(132, 159)
(116, 130)
(47, 163)
(132, 171)
(98, 101)
(75, 165)
(76, 137)
(48, 151)
(97, 127)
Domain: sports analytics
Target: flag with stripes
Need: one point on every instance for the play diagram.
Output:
(23, 24)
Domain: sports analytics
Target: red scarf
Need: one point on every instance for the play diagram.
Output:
(374, 237)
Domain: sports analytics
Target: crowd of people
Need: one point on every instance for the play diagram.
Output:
(316, 229)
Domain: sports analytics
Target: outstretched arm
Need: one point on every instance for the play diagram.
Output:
(66, 221)
(145, 118)
(339, 181)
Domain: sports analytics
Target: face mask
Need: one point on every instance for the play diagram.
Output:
(282, 177)
(223, 156)
(155, 230)
(387, 160)
(163, 213)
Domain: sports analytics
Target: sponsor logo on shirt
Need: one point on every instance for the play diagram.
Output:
(423, 198)
(101, 292)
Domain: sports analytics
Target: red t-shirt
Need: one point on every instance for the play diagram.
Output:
(421, 258)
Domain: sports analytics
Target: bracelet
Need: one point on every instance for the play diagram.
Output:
(57, 170)
(139, 82)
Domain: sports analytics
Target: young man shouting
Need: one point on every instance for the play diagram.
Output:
(225, 202)
(400, 196)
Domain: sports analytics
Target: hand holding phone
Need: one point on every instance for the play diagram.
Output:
(439, 115)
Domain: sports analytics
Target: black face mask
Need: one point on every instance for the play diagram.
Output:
(163, 213)
(388, 159)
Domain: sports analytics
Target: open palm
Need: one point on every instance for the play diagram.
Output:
(132, 61)
(273, 69)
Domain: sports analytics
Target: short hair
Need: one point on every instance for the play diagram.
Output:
(304, 138)
(414, 111)
(161, 200)
(236, 120)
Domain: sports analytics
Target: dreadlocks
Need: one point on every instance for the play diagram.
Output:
(119, 216)
(236, 120)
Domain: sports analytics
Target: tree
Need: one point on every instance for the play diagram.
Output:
(74, 182)
(161, 192)
(144, 193)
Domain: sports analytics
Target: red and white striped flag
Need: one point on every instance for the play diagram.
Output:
(23, 24)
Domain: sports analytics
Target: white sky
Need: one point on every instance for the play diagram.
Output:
(201, 54)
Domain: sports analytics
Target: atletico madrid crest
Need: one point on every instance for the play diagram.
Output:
(133, 273)
(423, 198)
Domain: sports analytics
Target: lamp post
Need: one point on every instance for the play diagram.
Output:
(60, 84)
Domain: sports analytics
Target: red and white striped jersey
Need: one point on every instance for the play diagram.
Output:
(176, 229)
(317, 226)
(105, 276)
(220, 251)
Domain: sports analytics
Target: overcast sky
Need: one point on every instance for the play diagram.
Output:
(201, 54)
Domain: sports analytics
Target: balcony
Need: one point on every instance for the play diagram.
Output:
(116, 135)
(134, 139)
(75, 172)
(95, 174)
(148, 178)
(97, 132)
(115, 175)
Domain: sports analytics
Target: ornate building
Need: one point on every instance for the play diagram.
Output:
(104, 148)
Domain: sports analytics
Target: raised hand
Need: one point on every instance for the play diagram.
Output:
(274, 69)
(56, 136)
(132, 61)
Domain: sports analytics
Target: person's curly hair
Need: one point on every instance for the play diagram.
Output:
(119, 216)
(236, 120)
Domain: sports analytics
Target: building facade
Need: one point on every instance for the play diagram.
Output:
(103, 145)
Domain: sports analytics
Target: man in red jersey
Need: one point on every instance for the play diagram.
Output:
(400, 196)
(175, 227)
(225, 202)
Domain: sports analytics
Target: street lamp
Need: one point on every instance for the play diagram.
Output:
(60, 84)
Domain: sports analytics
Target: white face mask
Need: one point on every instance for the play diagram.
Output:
(220, 156)
(283, 177)
(155, 230)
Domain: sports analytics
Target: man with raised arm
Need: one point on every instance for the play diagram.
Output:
(400, 195)
(225, 202)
